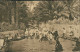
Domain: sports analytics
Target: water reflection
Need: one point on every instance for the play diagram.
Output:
(30, 44)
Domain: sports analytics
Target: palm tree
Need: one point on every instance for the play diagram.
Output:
(69, 4)
(50, 10)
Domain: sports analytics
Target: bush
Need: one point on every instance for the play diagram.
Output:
(5, 26)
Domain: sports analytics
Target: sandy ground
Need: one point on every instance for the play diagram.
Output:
(33, 45)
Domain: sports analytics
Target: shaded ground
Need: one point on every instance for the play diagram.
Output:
(33, 45)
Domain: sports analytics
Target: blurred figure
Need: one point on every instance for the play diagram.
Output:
(55, 35)
(77, 46)
(26, 33)
(58, 46)
(64, 32)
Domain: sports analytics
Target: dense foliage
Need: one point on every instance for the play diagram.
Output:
(17, 12)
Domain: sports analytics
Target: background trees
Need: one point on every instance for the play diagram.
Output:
(16, 12)
(13, 12)
(49, 11)
(70, 5)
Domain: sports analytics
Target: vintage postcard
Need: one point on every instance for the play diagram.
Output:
(39, 25)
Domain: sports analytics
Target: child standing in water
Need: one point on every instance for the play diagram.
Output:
(58, 46)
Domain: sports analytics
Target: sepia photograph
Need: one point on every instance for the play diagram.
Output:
(39, 25)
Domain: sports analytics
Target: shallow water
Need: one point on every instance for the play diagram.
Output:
(33, 45)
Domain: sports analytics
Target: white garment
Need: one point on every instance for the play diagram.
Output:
(26, 32)
(64, 31)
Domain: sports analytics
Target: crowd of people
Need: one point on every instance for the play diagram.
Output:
(45, 33)
(50, 35)
(42, 35)
(37, 33)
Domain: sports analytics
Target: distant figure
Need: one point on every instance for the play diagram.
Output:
(77, 48)
(5, 39)
(16, 36)
(44, 38)
(55, 35)
(64, 32)
(26, 33)
(58, 46)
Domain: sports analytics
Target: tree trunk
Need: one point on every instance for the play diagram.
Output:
(17, 22)
(8, 12)
(12, 16)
